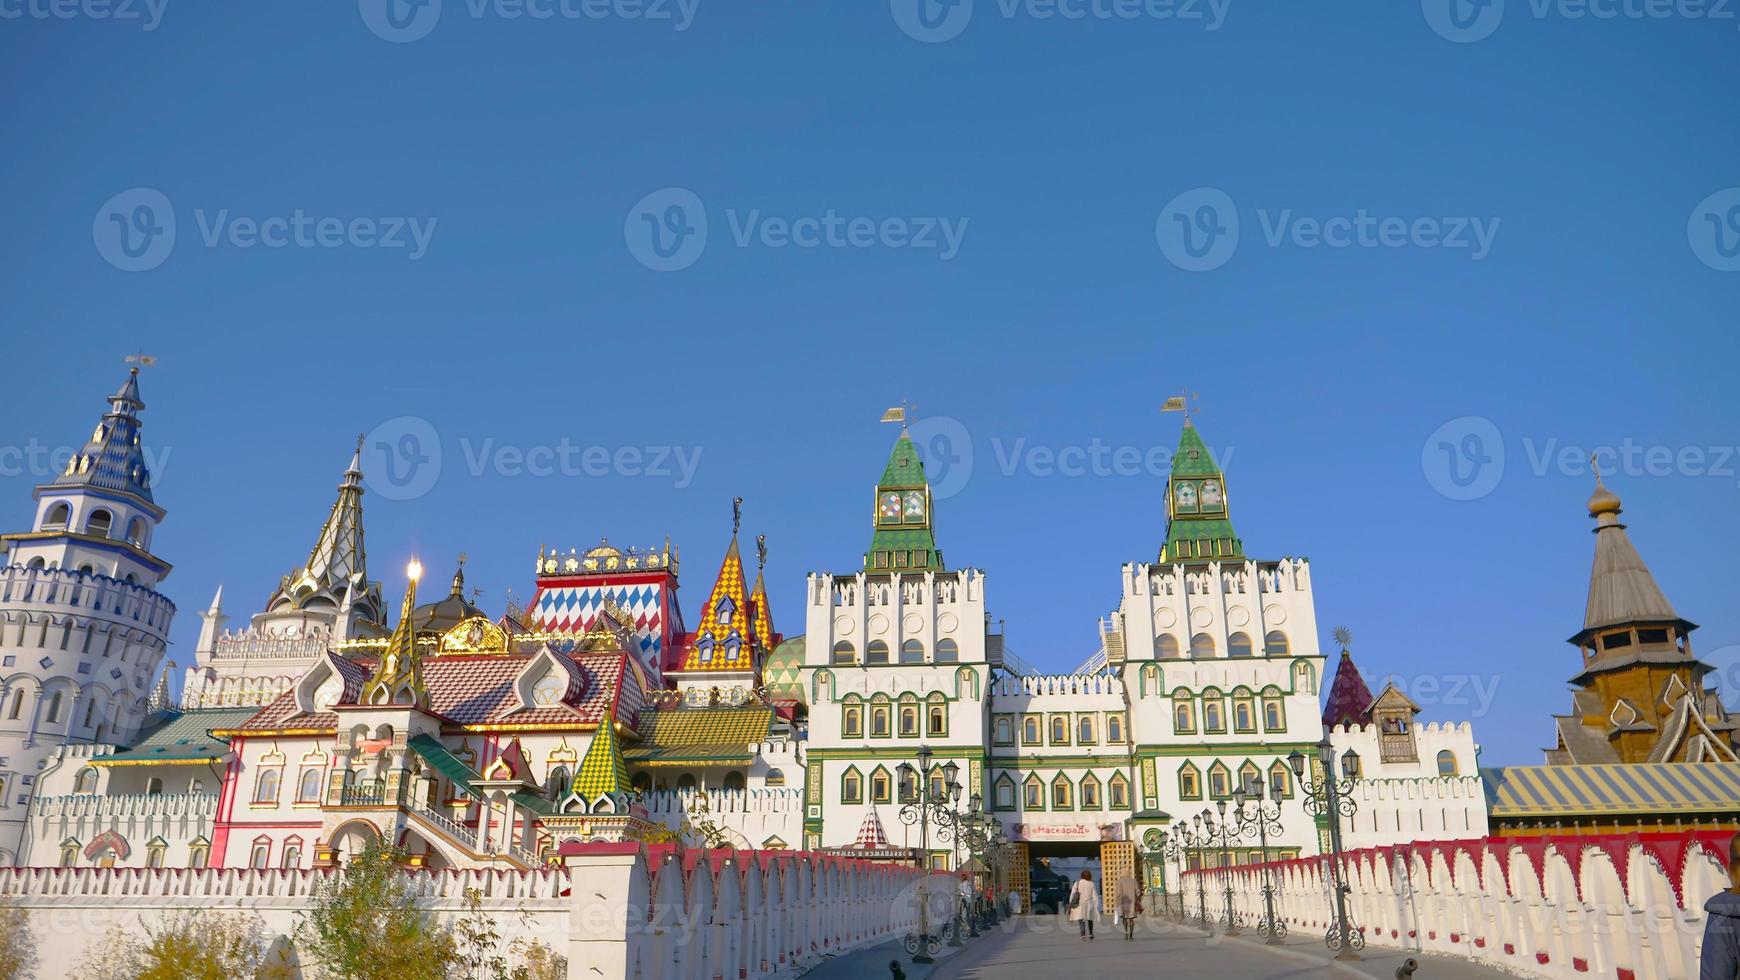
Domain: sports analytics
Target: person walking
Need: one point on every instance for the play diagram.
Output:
(1720, 957)
(1127, 896)
(1084, 905)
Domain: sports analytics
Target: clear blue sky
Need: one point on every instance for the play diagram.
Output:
(1057, 322)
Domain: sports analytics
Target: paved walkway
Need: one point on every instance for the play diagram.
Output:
(1045, 947)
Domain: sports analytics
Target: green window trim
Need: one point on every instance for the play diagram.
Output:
(1189, 782)
(1226, 787)
(1003, 730)
(852, 786)
(1087, 731)
(1213, 716)
(852, 721)
(1061, 782)
(1090, 782)
(884, 714)
(1118, 792)
(1053, 723)
(1031, 800)
(1034, 725)
(1115, 721)
(881, 786)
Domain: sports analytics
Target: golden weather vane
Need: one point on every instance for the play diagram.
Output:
(900, 413)
(141, 359)
(1185, 402)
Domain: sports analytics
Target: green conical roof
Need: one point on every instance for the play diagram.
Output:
(1199, 524)
(903, 539)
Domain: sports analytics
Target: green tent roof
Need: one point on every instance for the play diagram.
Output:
(178, 737)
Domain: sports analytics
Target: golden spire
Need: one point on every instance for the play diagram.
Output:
(398, 679)
(1603, 503)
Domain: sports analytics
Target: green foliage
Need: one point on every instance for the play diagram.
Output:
(477, 944)
(365, 924)
(17, 950)
(187, 946)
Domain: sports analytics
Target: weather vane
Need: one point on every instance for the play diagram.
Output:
(736, 515)
(141, 358)
(760, 552)
(1185, 402)
(900, 413)
(1343, 637)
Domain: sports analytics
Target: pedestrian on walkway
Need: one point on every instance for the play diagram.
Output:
(1084, 905)
(1127, 895)
(1720, 959)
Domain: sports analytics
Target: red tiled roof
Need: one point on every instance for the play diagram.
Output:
(473, 690)
(1349, 701)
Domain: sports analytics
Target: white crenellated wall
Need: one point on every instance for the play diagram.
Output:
(756, 814)
(1402, 799)
(1560, 907)
(615, 911)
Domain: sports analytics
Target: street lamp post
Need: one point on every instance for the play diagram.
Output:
(1330, 799)
(1221, 827)
(925, 806)
(1260, 818)
(1202, 838)
(1172, 847)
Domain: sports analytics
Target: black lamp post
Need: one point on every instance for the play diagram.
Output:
(1260, 819)
(1202, 837)
(1224, 831)
(1331, 800)
(1173, 845)
(925, 806)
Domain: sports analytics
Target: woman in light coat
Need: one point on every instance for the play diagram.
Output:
(1125, 897)
(1084, 905)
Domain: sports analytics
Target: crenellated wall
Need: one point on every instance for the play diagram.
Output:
(1617, 907)
(615, 911)
(1433, 791)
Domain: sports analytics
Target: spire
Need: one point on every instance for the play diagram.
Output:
(212, 621)
(113, 458)
(1198, 522)
(337, 566)
(398, 678)
(763, 615)
(602, 770)
(726, 638)
(1350, 700)
(1621, 588)
(904, 538)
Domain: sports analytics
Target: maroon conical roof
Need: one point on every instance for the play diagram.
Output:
(1349, 698)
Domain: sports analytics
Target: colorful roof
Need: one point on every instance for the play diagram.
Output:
(1198, 518)
(904, 536)
(1349, 701)
(400, 668)
(603, 769)
(762, 613)
(717, 736)
(1548, 792)
(178, 737)
(113, 458)
(782, 673)
(475, 690)
(726, 638)
(337, 565)
(871, 836)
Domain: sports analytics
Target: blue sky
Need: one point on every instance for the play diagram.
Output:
(1544, 268)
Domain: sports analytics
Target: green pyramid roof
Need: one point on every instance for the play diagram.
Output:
(602, 770)
(903, 540)
(1199, 522)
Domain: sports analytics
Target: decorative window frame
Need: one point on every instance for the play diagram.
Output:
(1116, 719)
(998, 724)
(1051, 724)
(1090, 782)
(847, 779)
(1189, 782)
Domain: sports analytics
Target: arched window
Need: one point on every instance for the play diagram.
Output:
(1189, 782)
(1251, 778)
(938, 720)
(198, 853)
(86, 781)
(1090, 792)
(1062, 793)
(292, 858)
(1447, 763)
(852, 787)
(1213, 718)
(686, 781)
(705, 648)
(1059, 730)
(1183, 714)
(734, 780)
(1003, 731)
(154, 852)
(1118, 792)
(54, 708)
(136, 529)
(1004, 798)
(1218, 780)
(1244, 712)
(57, 518)
(725, 610)
(90, 712)
(17, 706)
(1084, 731)
(1202, 645)
(69, 853)
(879, 721)
(1030, 730)
(1304, 678)
(852, 720)
(1114, 729)
(845, 653)
(1032, 794)
(908, 720)
(912, 652)
(1274, 713)
(1166, 647)
(260, 857)
(876, 652)
(774, 777)
(266, 788)
(1275, 644)
(881, 788)
(99, 523)
(1238, 645)
(947, 652)
(1280, 782)
(559, 782)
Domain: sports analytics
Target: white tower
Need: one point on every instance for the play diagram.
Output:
(82, 626)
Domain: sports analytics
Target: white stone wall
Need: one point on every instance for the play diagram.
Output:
(1401, 800)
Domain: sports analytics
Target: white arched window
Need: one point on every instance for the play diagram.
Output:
(1238, 645)
(1275, 644)
(86, 781)
(876, 652)
(136, 529)
(1165, 646)
(912, 652)
(54, 708)
(308, 791)
(845, 653)
(1447, 763)
(58, 516)
(1202, 645)
(99, 523)
(947, 652)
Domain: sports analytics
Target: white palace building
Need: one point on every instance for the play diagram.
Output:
(596, 712)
